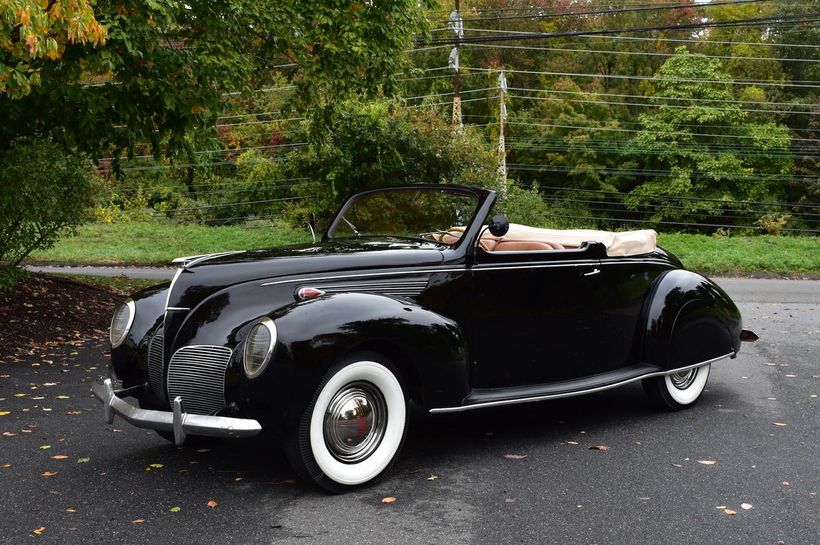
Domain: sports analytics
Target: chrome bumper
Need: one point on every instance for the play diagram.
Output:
(176, 421)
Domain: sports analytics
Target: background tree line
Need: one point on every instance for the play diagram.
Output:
(238, 111)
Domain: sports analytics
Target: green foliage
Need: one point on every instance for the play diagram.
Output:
(687, 136)
(45, 192)
(380, 144)
(165, 66)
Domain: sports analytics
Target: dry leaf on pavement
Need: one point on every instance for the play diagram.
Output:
(599, 447)
(730, 512)
(389, 499)
(707, 462)
(515, 456)
(212, 504)
(746, 506)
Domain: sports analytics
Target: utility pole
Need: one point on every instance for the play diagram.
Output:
(456, 25)
(502, 120)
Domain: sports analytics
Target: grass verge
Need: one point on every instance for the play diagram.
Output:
(157, 244)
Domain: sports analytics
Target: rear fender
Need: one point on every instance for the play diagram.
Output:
(687, 320)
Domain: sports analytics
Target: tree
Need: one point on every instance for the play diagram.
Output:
(379, 144)
(701, 143)
(33, 32)
(165, 66)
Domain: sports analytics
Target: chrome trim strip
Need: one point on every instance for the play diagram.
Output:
(191, 260)
(171, 287)
(405, 272)
(176, 308)
(501, 402)
(177, 421)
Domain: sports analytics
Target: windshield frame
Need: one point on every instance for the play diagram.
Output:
(480, 195)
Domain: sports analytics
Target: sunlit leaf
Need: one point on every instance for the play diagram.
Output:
(707, 462)
(389, 499)
(212, 504)
(175, 509)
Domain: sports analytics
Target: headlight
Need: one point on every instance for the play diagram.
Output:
(121, 322)
(259, 347)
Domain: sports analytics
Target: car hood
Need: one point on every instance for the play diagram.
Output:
(207, 275)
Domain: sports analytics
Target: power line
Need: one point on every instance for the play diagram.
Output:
(643, 8)
(644, 78)
(660, 133)
(756, 21)
(640, 53)
(644, 105)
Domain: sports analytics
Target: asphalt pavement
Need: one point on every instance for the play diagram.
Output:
(741, 467)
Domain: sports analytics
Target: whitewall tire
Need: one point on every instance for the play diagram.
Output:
(353, 430)
(677, 391)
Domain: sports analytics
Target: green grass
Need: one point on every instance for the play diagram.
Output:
(152, 244)
(746, 254)
(157, 244)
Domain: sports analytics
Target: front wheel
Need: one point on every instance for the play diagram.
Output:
(352, 431)
(677, 391)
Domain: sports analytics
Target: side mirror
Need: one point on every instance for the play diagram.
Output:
(498, 226)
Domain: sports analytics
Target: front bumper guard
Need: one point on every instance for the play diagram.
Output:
(180, 423)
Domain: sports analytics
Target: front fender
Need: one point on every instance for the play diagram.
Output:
(429, 350)
(688, 319)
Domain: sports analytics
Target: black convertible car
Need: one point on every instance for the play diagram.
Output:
(414, 295)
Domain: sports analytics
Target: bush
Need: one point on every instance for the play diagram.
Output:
(45, 192)
(381, 144)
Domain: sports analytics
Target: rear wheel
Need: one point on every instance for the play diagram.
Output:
(352, 431)
(677, 391)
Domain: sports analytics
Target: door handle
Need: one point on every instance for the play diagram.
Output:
(593, 272)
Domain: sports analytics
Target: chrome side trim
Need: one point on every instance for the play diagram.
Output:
(404, 272)
(176, 421)
(171, 288)
(191, 260)
(463, 408)
(177, 308)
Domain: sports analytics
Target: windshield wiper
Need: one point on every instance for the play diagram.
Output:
(353, 227)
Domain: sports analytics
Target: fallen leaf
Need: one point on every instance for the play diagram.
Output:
(645, 498)
(515, 456)
(175, 509)
(236, 480)
(707, 462)
(48, 473)
(212, 504)
(677, 465)
(571, 442)
(6, 466)
(8, 434)
(4, 413)
(156, 466)
(138, 521)
(389, 499)
(45, 447)
(730, 512)
(39, 531)
(83, 460)
(202, 450)
(599, 447)
(720, 507)
(59, 457)
(63, 397)
(70, 510)
(432, 477)
(792, 376)
(785, 483)
(20, 395)
(779, 423)
(72, 413)
(746, 506)
(509, 500)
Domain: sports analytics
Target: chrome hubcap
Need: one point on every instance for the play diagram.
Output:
(684, 379)
(355, 422)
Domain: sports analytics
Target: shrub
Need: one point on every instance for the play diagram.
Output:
(45, 192)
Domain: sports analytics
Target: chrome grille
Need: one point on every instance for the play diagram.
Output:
(197, 374)
(155, 368)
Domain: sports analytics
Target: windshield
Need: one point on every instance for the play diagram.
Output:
(435, 214)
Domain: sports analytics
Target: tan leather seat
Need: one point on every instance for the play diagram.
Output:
(521, 246)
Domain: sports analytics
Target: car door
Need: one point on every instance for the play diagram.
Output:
(533, 317)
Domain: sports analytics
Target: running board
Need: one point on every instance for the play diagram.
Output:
(480, 398)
